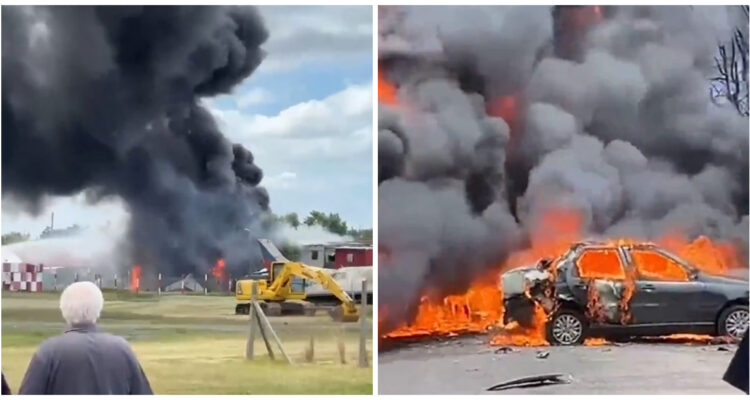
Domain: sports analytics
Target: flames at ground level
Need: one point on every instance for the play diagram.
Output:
(480, 308)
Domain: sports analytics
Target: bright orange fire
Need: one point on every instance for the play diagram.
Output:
(655, 266)
(505, 107)
(135, 278)
(551, 234)
(386, 90)
(219, 271)
(687, 338)
(601, 264)
(513, 334)
(480, 308)
(473, 312)
(703, 253)
(594, 341)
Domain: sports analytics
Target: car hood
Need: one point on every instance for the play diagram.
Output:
(727, 280)
(513, 281)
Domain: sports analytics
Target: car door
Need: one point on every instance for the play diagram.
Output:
(596, 281)
(666, 292)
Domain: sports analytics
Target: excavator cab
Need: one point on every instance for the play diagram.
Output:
(296, 287)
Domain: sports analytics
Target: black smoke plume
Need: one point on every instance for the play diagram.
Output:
(613, 120)
(106, 101)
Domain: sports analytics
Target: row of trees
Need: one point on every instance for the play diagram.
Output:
(331, 222)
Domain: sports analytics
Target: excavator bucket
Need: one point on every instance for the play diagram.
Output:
(343, 314)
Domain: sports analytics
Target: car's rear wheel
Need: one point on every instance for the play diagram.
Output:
(567, 327)
(733, 321)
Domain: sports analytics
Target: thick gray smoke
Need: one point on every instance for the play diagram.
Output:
(611, 118)
(106, 100)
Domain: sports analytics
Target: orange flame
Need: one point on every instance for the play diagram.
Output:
(386, 90)
(505, 107)
(707, 255)
(687, 338)
(594, 341)
(473, 312)
(219, 271)
(135, 278)
(551, 234)
(481, 307)
(514, 334)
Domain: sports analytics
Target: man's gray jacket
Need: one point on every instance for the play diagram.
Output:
(84, 361)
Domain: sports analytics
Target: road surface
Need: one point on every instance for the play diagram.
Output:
(469, 366)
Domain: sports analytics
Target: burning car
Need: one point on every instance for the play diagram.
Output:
(624, 289)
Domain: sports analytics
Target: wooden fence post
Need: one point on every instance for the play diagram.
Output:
(363, 362)
(249, 347)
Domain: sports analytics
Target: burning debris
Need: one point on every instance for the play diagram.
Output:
(507, 134)
(107, 101)
(135, 279)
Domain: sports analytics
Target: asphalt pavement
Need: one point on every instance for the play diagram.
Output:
(467, 365)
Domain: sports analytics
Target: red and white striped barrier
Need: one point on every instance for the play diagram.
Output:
(22, 277)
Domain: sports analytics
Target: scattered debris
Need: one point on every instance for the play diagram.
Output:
(542, 354)
(472, 370)
(723, 348)
(504, 350)
(533, 381)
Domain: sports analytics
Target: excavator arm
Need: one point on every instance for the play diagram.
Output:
(282, 282)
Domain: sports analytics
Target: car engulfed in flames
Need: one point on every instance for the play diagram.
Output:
(671, 290)
(615, 289)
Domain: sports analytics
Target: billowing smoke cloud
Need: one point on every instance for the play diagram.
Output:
(106, 100)
(503, 113)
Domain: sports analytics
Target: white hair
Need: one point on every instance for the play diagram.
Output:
(81, 303)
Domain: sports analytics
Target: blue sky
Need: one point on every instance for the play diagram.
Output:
(306, 114)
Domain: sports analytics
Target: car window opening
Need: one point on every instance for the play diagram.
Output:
(600, 264)
(654, 266)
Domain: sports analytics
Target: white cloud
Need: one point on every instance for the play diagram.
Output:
(316, 154)
(253, 97)
(315, 34)
(341, 114)
(284, 180)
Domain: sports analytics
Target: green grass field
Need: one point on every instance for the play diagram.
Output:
(196, 345)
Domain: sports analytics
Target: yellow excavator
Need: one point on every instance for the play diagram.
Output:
(283, 292)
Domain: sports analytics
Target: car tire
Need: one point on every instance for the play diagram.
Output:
(731, 321)
(567, 328)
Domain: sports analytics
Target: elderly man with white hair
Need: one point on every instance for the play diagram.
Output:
(84, 360)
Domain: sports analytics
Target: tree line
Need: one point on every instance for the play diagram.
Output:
(331, 222)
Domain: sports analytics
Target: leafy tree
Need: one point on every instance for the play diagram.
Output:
(315, 218)
(15, 237)
(292, 219)
(334, 223)
(331, 222)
